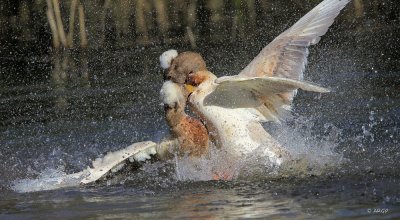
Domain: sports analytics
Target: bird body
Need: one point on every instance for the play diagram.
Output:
(233, 108)
(191, 133)
(236, 130)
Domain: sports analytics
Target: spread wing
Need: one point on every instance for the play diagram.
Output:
(115, 161)
(102, 167)
(286, 55)
(260, 93)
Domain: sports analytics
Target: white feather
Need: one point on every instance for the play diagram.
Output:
(171, 93)
(236, 129)
(167, 57)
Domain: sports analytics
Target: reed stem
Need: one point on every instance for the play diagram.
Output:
(359, 8)
(82, 27)
(60, 26)
(70, 37)
(52, 23)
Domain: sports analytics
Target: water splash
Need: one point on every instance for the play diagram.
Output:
(314, 150)
(313, 153)
(217, 164)
(48, 179)
(367, 129)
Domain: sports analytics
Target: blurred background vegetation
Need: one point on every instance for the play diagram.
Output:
(39, 25)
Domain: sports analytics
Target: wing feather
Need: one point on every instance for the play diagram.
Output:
(286, 55)
(265, 94)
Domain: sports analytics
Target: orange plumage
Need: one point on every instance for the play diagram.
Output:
(192, 137)
(190, 132)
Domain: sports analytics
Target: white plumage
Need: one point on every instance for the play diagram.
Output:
(236, 129)
(286, 55)
(167, 57)
(171, 94)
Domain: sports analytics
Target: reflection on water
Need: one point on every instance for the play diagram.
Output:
(282, 199)
(68, 70)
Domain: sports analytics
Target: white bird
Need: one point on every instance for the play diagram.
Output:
(233, 107)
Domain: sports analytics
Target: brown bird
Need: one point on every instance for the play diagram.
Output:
(190, 132)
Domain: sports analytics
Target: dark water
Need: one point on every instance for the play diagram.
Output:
(59, 111)
(60, 119)
(338, 198)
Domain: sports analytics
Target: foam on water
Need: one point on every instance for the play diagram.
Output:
(217, 164)
(311, 155)
(314, 152)
(48, 179)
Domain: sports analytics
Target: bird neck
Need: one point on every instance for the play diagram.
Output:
(175, 115)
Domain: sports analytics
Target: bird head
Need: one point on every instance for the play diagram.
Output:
(195, 79)
(179, 66)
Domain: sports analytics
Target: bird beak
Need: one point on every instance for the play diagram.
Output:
(189, 88)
